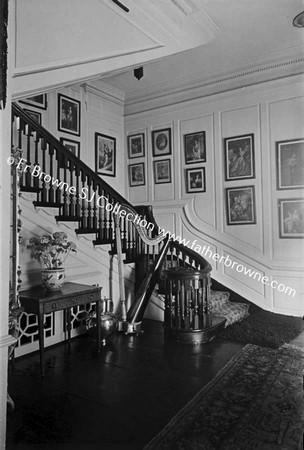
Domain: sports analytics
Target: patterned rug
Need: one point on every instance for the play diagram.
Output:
(254, 402)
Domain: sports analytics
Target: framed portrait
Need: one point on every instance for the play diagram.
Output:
(290, 164)
(161, 142)
(239, 157)
(39, 101)
(68, 115)
(162, 171)
(72, 146)
(137, 174)
(195, 180)
(136, 145)
(291, 218)
(240, 206)
(105, 154)
(195, 147)
(36, 116)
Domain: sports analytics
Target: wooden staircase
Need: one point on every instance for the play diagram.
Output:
(62, 180)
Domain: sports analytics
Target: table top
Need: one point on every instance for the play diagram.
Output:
(67, 290)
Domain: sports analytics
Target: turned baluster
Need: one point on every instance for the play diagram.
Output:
(83, 201)
(77, 184)
(178, 320)
(43, 188)
(72, 189)
(51, 187)
(94, 218)
(196, 321)
(65, 186)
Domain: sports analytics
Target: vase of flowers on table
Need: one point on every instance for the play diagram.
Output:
(51, 250)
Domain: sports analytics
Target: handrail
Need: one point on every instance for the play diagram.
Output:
(44, 133)
(41, 147)
(206, 267)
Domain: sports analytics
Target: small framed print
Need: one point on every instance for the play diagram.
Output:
(290, 164)
(195, 180)
(137, 174)
(239, 157)
(72, 146)
(39, 101)
(240, 206)
(68, 115)
(105, 154)
(162, 171)
(161, 142)
(195, 147)
(291, 218)
(136, 145)
(36, 116)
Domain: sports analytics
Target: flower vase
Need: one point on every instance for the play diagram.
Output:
(52, 279)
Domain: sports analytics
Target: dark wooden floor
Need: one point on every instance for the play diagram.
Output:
(118, 399)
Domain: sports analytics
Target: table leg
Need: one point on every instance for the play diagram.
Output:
(68, 323)
(41, 341)
(98, 315)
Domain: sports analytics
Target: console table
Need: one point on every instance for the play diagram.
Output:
(38, 301)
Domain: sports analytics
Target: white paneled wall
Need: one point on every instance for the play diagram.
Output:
(272, 112)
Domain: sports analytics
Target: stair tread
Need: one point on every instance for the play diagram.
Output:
(103, 242)
(48, 204)
(87, 230)
(68, 219)
(30, 189)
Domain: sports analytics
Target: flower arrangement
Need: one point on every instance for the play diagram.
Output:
(51, 250)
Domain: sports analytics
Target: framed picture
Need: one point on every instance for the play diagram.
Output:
(72, 146)
(240, 205)
(239, 157)
(36, 116)
(68, 115)
(195, 180)
(161, 142)
(195, 147)
(291, 218)
(136, 145)
(105, 153)
(290, 164)
(162, 171)
(137, 174)
(39, 101)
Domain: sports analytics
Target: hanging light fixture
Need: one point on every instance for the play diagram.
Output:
(139, 73)
(298, 21)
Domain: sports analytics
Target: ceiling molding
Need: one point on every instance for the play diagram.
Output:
(104, 90)
(174, 92)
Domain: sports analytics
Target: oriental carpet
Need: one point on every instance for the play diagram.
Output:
(254, 402)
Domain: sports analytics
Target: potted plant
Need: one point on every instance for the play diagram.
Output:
(51, 250)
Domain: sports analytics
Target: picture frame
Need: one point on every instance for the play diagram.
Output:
(35, 115)
(240, 205)
(38, 101)
(290, 164)
(161, 142)
(137, 174)
(69, 112)
(195, 147)
(195, 180)
(239, 157)
(72, 146)
(105, 154)
(162, 171)
(136, 145)
(291, 218)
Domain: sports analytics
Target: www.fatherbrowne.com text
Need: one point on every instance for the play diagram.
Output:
(103, 202)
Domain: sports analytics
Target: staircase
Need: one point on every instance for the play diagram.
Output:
(61, 180)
